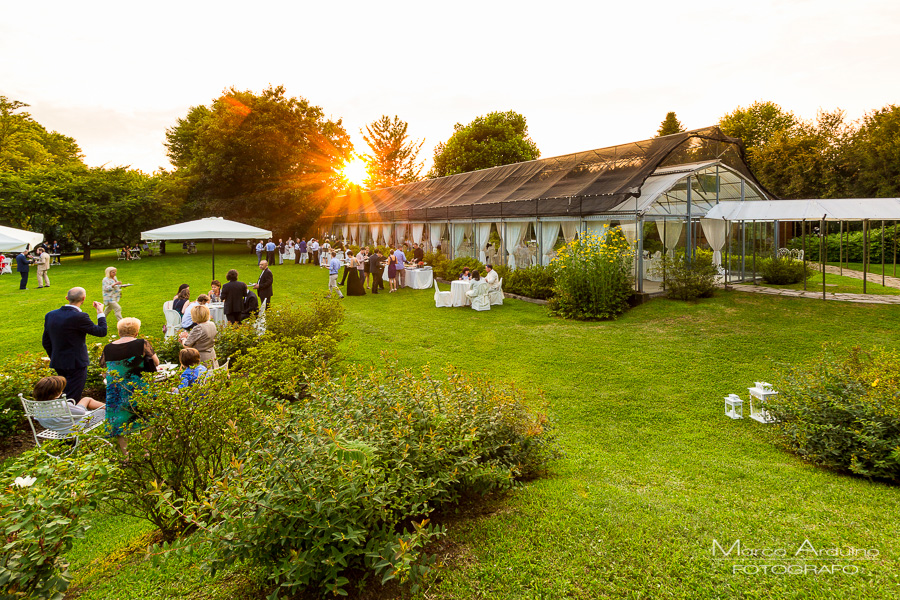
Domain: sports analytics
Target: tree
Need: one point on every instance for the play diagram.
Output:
(875, 154)
(393, 158)
(498, 138)
(670, 125)
(267, 159)
(89, 205)
(26, 143)
(757, 124)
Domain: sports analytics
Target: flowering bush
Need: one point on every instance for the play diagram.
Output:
(843, 412)
(593, 276)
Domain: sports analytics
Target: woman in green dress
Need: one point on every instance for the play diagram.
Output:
(125, 359)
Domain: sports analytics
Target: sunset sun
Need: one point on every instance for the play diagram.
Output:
(355, 171)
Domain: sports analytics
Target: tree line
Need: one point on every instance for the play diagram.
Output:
(276, 161)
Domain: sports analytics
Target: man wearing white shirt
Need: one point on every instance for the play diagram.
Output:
(314, 252)
(186, 321)
(492, 279)
(259, 251)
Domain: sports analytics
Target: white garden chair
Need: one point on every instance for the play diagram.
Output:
(479, 296)
(261, 318)
(441, 299)
(59, 409)
(495, 297)
(5, 267)
(173, 321)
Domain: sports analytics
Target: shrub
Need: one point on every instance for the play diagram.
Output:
(186, 439)
(843, 412)
(438, 261)
(235, 339)
(451, 269)
(347, 480)
(531, 282)
(593, 277)
(18, 374)
(687, 280)
(782, 271)
(42, 511)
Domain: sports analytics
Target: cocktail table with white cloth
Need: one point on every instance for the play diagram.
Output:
(216, 312)
(417, 279)
(458, 291)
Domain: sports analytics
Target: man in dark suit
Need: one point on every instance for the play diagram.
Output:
(375, 270)
(263, 286)
(233, 294)
(22, 265)
(64, 332)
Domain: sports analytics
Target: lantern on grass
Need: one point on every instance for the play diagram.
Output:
(758, 396)
(734, 406)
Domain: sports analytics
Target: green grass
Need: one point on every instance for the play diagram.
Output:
(871, 268)
(838, 284)
(654, 471)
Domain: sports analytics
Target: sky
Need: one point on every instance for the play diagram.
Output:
(115, 75)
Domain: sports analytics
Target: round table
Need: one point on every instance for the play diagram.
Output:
(216, 312)
(458, 291)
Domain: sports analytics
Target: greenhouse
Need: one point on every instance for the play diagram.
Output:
(658, 191)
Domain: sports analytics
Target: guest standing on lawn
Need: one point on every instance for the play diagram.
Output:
(400, 257)
(233, 293)
(65, 330)
(314, 252)
(23, 263)
(355, 278)
(112, 293)
(43, 268)
(334, 267)
(375, 270)
(270, 252)
(392, 271)
(302, 255)
(263, 285)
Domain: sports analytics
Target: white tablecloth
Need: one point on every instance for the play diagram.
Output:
(216, 312)
(458, 291)
(417, 279)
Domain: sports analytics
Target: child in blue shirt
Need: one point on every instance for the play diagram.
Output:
(193, 370)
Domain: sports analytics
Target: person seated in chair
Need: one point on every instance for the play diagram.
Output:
(51, 388)
(193, 370)
(491, 278)
(465, 275)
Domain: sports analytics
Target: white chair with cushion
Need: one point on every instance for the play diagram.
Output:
(495, 297)
(441, 299)
(59, 409)
(479, 295)
(5, 267)
(173, 321)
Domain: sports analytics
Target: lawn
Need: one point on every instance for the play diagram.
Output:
(838, 284)
(654, 472)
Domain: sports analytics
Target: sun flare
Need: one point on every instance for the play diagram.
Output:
(355, 171)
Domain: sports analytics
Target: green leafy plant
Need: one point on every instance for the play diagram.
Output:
(784, 270)
(451, 269)
(18, 374)
(688, 279)
(592, 277)
(842, 411)
(42, 510)
(531, 282)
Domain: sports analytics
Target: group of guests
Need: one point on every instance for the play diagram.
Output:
(24, 260)
(490, 279)
(305, 252)
(125, 359)
(366, 264)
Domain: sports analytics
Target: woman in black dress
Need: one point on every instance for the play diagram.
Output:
(354, 279)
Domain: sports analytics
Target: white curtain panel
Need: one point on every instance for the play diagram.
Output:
(629, 228)
(458, 234)
(435, 230)
(375, 230)
(417, 229)
(549, 234)
(714, 230)
(354, 234)
(515, 233)
(484, 231)
(569, 229)
(345, 230)
(670, 233)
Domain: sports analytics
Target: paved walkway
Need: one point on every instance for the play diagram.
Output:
(893, 282)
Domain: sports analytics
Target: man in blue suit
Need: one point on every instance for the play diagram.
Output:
(64, 332)
(22, 266)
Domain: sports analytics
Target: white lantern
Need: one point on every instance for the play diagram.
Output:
(760, 393)
(734, 406)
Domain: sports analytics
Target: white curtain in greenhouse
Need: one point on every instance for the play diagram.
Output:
(375, 229)
(417, 229)
(670, 233)
(435, 230)
(714, 230)
(629, 228)
(354, 234)
(483, 233)
(549, 235)
(345, 230)
(515, 233)
(569, 229)
(459, 234)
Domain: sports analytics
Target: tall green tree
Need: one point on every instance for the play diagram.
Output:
(266, 159)
(498, 138)
(25, 143)
(670, 125)
(93, 206)
(393, 158)
(757, 124)
(875, 154)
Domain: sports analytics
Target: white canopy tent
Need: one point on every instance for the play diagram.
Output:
(17, 240)
(842, 209)
(210, 228)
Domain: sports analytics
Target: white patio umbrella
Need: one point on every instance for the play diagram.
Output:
(209, 228)
(16, 240)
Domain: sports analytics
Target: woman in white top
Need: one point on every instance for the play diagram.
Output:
(51, 388)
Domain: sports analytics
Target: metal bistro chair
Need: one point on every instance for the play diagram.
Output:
(56, 409)
(173, 321)
(261, 318)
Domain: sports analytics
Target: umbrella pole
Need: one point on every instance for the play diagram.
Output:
(214, 258)
(822, 252)
(804, 254)
(882, 253)
(841, 250)
(865, 252)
